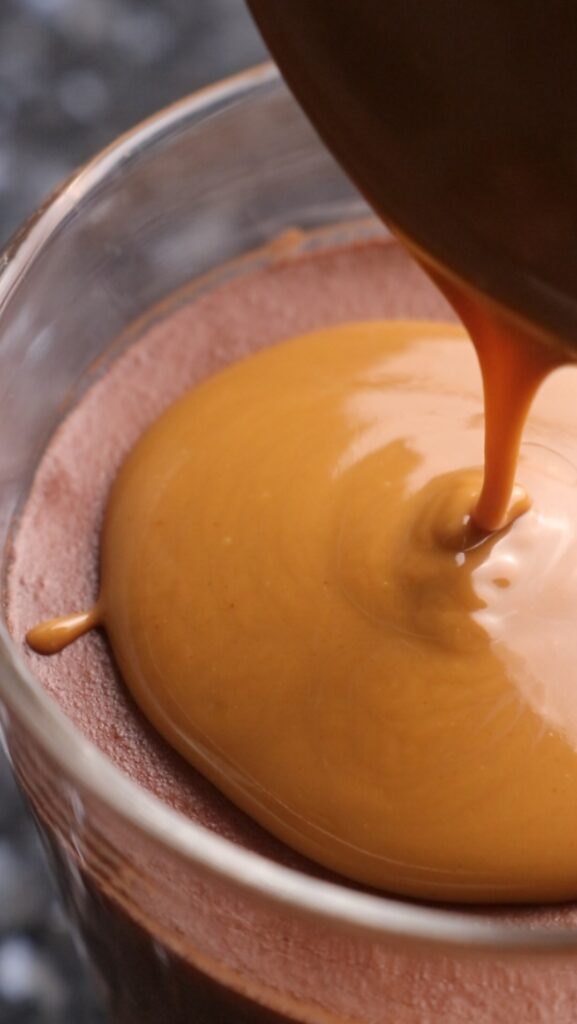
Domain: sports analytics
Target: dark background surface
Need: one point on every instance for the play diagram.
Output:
(73, 75)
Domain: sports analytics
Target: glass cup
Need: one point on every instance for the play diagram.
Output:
(180, 923)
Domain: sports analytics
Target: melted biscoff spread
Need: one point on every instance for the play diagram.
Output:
(299, 600)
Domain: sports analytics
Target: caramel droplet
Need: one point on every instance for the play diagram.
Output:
(54, 635)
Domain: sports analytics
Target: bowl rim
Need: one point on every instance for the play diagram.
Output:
(86, 766)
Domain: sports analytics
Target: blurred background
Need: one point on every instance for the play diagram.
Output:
(73, 75)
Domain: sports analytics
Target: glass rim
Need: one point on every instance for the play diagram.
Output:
(85, 764)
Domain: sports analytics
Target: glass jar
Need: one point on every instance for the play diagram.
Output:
(180, 923)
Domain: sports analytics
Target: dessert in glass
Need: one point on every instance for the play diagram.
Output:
(217, 228)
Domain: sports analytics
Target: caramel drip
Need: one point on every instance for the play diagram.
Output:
(53, 636)
(513, 366)
(299, 599)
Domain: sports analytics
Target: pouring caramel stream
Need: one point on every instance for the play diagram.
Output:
(514, 363)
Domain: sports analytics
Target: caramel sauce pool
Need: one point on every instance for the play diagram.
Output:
(318, 596)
